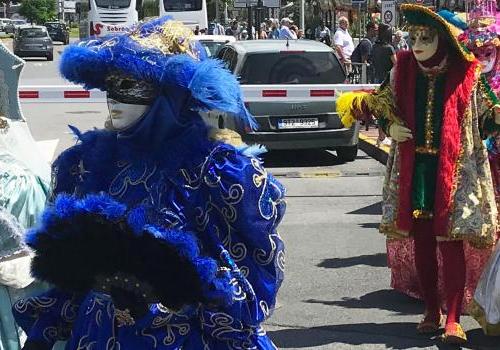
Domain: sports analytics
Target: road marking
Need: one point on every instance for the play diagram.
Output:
(325, 174)
(48, 148)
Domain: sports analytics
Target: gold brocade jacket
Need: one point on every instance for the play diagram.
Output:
(473, 214)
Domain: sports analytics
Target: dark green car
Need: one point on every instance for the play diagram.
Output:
(58, 32)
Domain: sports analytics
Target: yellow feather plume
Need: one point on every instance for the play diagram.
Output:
(347, 104)
(379, 103)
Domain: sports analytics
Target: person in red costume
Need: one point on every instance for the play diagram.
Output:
(438, 190)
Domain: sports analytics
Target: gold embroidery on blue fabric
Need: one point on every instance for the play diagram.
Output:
(36, 302)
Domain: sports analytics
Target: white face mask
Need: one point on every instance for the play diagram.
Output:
(123, 115)
(424, 43)
(487, 55)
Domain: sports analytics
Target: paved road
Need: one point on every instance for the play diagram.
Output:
(336, 294)
(39, 71)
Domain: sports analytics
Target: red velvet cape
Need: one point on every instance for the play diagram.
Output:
(460, 80)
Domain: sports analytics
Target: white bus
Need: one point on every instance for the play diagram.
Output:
(102, 17)
(191, 12)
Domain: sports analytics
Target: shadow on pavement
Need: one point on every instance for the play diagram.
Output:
(386, 299)
(300, 158)
(393, 335)
(376, 260)
(372, 209)
(371, 225)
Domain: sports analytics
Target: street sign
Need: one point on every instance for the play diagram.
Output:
(271, 3)
(240, 3)
(357, 2)
(245, 3)
(389, 12)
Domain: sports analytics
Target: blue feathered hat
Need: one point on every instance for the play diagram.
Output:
(164, 53)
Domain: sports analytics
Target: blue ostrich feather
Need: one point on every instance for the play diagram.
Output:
(209, 83)
(453, 18)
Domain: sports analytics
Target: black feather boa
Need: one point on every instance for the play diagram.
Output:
(92, 244)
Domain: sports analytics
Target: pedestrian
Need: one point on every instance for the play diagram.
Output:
(234, 30)
(383, 54)
(437, 192)
(24, 187)
(485, 45)
(263, 31)
(322, 34)
(215, 28)
(274, 31)
(295, 30)
(197, 30)
(285, 32)
(343, 43)
(399, 43)
(178, 236)
(362, 54)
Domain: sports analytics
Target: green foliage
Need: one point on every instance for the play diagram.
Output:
(38, 11)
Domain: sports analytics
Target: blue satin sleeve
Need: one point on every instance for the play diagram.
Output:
(48, 317)
(22, 193)
(66, 172)
(242, 208)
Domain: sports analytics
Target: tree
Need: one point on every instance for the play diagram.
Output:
(38, 11)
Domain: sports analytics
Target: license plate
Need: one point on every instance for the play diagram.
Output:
(298, 123)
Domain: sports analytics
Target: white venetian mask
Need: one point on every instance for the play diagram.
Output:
(123, 115)
(424, 42)
(487, 55)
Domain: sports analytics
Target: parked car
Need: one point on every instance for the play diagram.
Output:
(14, 24)
(3, 23)
(213, 43)
(289, 88)
(33, 41)
(58, 32)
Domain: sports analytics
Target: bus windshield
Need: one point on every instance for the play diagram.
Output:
(114, 4)
(182, 5)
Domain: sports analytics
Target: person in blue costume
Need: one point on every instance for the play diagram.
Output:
(169, 182)
(24, 185)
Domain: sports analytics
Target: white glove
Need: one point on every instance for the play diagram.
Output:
(399, 133)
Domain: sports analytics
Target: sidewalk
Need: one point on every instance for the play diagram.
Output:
(368, 144)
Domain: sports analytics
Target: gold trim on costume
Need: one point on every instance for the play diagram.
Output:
(174, 38)
(422, 214)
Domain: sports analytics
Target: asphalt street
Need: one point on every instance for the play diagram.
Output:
(336, 294)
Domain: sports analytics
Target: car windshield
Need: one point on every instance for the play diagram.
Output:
(19, 22)
(53, 26)
(292, 68)
(33, 33)
(212, 47)
(182, 5)
(114, 4)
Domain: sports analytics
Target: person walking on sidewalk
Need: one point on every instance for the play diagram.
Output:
(343, 43)
(438, 190)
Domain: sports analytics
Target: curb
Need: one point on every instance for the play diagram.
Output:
(369, 146)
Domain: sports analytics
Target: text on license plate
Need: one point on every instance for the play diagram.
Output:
(298, 123)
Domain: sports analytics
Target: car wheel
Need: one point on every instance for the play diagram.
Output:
(50, 56)
(348, 153)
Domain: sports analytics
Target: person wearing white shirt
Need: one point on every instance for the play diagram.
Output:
(285, 32)
(343, 41)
